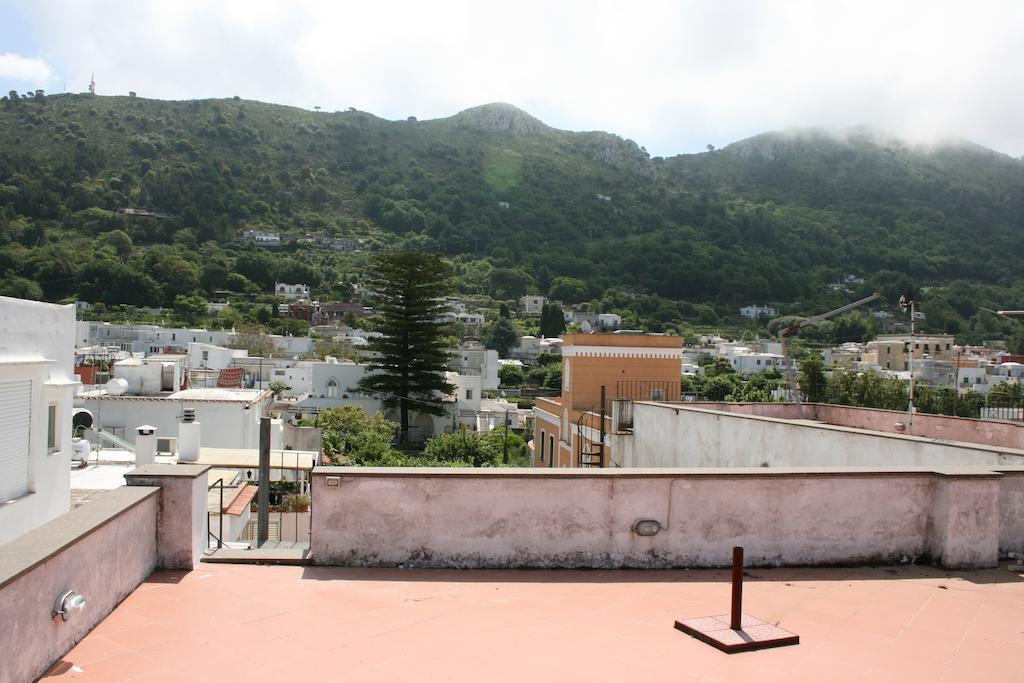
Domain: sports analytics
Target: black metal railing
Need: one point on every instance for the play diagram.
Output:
(647, 390)
(219, 536)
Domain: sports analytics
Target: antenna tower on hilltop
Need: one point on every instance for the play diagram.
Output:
(92, 84)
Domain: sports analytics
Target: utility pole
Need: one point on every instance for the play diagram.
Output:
(912, 305)
(956, 379)
(505, 457)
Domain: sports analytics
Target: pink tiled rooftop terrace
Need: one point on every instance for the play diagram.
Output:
(258, 623)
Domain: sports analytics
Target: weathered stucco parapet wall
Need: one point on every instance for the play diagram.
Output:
(585, 518)
(995, 433)
(181, 523)
(1011, 510)
(103, 550)
(687, 435)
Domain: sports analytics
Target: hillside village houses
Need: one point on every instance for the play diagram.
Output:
(290, 291)
(755, 312)
(532, 304)
(265, 239)
(229, 386)
(458, 312)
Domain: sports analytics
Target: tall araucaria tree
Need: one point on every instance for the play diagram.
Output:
(408, 367)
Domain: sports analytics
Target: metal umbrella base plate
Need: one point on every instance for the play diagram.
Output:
(753, 633)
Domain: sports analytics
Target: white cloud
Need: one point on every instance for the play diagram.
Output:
(674, 76)
(33, 71)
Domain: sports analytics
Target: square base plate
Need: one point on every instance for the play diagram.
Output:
(754, 634)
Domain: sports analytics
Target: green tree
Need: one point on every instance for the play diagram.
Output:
(20, 288)
(253, 339)
(503, 337)
(353, 436)
(553, 377)
(214, 275)
(568, 289)
(189, 309)
(813, 385)
(509, 283)
(412, 355)
(475, 449)
(511, 375)
(119, 241)
(552, 321)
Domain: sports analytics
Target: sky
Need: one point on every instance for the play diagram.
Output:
(673, 76)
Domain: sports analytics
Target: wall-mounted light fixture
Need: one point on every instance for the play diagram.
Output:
(69, 603)
(647, 527)
(900, 427)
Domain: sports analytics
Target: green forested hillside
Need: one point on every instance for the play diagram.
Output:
(518, 205)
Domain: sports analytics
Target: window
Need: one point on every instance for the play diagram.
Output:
(51, 428)
(332, 388)
(543, 438)
(15, 421)
(551, 450)
(566, 375)
(469, 394)
(657, 394)
(206, 355)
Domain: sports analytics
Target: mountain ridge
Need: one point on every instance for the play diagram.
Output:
(772, 217)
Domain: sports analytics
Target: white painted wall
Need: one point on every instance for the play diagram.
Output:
(676, 435)
(225, 424)
(211, 356)
(299, 377)
(37, 345)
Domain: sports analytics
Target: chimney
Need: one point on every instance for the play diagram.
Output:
(188, 437)
(145, 445)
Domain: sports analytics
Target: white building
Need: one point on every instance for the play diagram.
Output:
(335, 384)
(458, 313)
(530, 347)
(755, 312)
(753, 362)
(212, 357)
(230, 418)
(472, 358)
(291, 291)
(152, 375)
(146, 339)
(37, 384)
(532, 304)
(264, 239)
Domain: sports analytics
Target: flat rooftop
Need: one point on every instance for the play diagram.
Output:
(261, 623)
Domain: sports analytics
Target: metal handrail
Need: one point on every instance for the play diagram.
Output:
(220, 516)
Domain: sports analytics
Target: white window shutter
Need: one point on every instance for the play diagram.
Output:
(15, 428)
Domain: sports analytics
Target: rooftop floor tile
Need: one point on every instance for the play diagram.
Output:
(226, 622)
